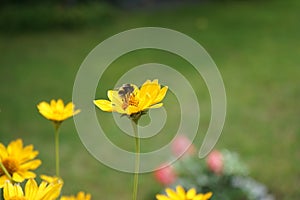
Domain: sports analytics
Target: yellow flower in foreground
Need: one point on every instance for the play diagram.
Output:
(181, 194)
(131, 100)
(56, 111)
(80, 196)
(44, 191)
(17, 161)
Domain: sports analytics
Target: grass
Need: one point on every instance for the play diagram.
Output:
(254, 44)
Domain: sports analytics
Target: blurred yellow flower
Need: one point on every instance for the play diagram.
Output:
(130, 100)
(17, 162)
(32, 191)
(80, 196)
(51, 179)
(181, 194)
(56, 111)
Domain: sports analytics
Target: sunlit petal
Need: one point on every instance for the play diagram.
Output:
(180, 191)
(31, 188)
(17, 177)
(172, 194)
(103, 105)
(191, 193)
(161, 95)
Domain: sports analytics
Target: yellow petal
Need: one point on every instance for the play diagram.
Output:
(161, 95)
(114, 97)
(180, 191)
(31, 165)
(191, 193)
(26, 154)
(88, 197)
(50, 179)
(27, 174)
(19, 191)
(17, 177)
(198, 197)
(144, 103)
(47, 115)
(162, 197)
(9, 190)
(53, 104)
(31, 189)
(156, 105)
(103, 105)
(3, 152)
(76, 112)
(119, 109)
(207, 195)
(80, 195)
(14, 147)
(60, 105)
(149, 90)
(172, 194)
(52, 191)
(3, 180)
(155, 81)
(150, 94)
(146, 82)
(6, 190)
(69, 107)
(45, 109)
(43, 105)
(132, 109)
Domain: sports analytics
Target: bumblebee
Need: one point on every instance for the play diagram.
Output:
(127, 95)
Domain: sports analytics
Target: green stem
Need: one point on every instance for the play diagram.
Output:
(1, 194)
(56, 139)
(8, 175)
(5, 171)
(137, 159)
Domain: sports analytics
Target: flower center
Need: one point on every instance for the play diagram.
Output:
(10, 165)
(57, 113)
(132, 101)
(126, 92)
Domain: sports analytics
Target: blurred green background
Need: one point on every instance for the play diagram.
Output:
(255, 45)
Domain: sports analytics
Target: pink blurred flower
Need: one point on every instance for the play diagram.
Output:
(165, 174)
(182, 146)
(214, 162)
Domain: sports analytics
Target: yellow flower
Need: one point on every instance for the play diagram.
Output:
(17, 161)
(131, 100)
(56, 111)
(44, 191)
(51, 179)
(80, 196)
(181, 194)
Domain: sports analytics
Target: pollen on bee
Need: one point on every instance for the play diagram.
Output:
(128, 98)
